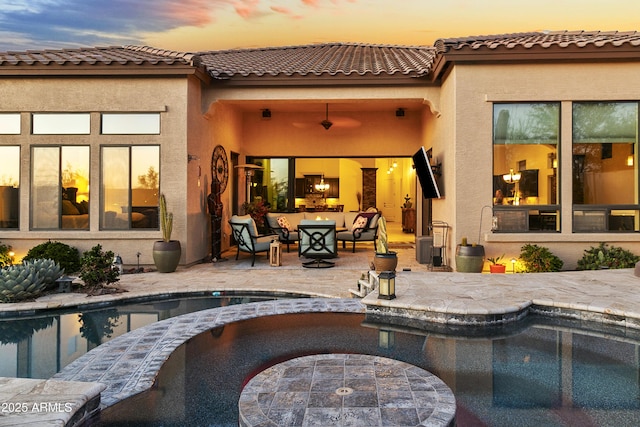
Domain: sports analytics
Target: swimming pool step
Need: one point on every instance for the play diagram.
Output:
(365, 286)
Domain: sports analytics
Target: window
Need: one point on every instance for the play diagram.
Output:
(61, 124)
(130, 187)
(605, 171)
(9, 186)
(525, 152)
(130, 124)
(271, 183)
(10, 123)
(60, 187)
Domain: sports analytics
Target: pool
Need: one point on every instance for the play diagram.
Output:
(540, 372)
(39, 346)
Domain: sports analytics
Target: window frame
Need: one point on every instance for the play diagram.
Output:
(129, 208)
(518, 217)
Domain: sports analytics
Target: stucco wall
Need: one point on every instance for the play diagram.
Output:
(476, 87)
(96, 95)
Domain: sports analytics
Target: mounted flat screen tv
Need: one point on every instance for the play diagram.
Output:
(425, 175)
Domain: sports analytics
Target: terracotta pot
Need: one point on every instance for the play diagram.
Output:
(385, 261)
(469, 259)
(498, 268)
(166, 255)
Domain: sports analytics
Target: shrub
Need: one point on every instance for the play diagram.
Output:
(602, 256)
(538, 259)
(5, 258)
(67, 256)
(97, 269)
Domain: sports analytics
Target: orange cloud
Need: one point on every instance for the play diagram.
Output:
(189, 12)
(246, 8)
(286, 11)
(316, 3)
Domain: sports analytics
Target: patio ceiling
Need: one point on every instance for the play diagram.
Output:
(319, 106)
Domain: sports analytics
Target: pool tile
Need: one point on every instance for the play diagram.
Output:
(378, 399)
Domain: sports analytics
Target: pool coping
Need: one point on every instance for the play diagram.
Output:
(130, 363)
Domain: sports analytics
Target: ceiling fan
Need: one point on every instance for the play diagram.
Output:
(326, 123)
(336, 121)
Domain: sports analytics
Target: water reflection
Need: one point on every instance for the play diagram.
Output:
(538, 373)
(39, 347)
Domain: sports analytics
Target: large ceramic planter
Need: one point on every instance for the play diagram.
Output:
(166, 255)
(385, 261)
(469, 259)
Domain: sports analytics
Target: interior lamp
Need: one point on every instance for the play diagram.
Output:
(322, 186)
(511, 177)
(387, 285)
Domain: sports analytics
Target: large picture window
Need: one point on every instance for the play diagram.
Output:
(9, 186)
(525, 154)
(605, 171)
(130, 187)
(60, 188)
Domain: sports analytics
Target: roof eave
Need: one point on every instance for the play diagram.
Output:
(322, 80)
(529, 55)
(41, 70)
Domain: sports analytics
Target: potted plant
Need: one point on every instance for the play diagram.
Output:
(384, 260)
(166, 252)
(469, 258)
(496, 266)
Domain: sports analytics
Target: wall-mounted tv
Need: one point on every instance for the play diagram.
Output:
(425, 175)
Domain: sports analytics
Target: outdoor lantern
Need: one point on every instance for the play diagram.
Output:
(386, 339)
(117, 263)
(274, 254)
(64, 283)
(387, 285)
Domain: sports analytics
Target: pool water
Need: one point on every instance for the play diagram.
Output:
(542, 373)
(40, 346)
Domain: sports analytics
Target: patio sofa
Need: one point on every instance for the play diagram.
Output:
(285, 225)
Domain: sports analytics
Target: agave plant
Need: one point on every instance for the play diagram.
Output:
(49, 270)
(20, 282)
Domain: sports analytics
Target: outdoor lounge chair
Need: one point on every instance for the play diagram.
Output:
(364, 231)
(317, 242)
(279, 224)
(246, 236)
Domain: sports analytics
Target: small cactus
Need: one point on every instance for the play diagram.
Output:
(20, 282)
(49, 270)
(166, 219)
(464, 241)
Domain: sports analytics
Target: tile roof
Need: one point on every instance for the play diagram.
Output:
(326, 60)
(544, 39)
(321, 60)
(117, 55)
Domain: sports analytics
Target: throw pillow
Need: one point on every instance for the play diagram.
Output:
(360, 222)
(69, 208)
(367, 216)
(283, 222)
(83, 207)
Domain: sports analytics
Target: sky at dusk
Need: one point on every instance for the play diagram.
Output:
(198, 25)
